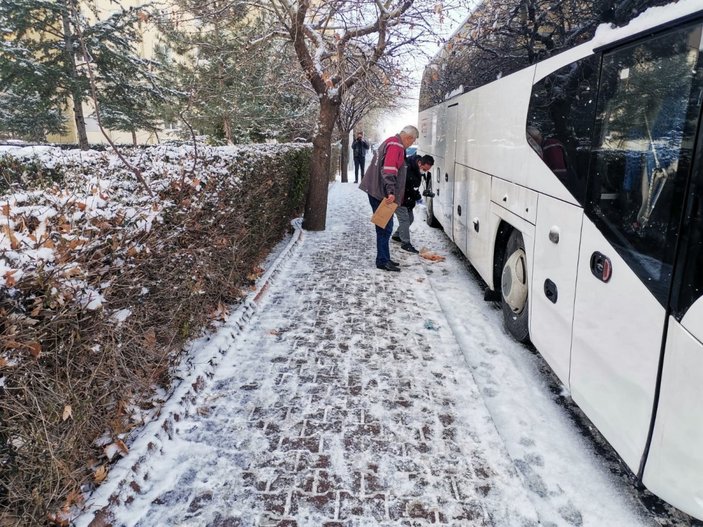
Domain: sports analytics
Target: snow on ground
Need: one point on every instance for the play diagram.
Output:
(360, 397)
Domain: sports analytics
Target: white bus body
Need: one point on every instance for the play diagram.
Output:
(615, 307)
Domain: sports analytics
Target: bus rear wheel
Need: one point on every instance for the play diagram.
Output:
(514, 288)
(430, 217)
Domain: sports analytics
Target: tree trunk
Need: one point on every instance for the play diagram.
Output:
(227, 126)
(134, 138)
(344, 158)
(315, 216)
(76, 94)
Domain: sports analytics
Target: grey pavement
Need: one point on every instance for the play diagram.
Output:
(346, 401)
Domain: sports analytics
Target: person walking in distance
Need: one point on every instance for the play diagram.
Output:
(416, 167)
(385, 179)
(359, 148)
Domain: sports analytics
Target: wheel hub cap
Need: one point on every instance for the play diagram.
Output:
(514, 282)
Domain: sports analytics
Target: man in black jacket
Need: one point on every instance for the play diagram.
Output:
(359, 148)
(416, 166)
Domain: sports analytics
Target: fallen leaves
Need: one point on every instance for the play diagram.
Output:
(33, 347)
(149, 338)
(255, 274)
(100, 474)
(14, 242)
(221, 313)
(62, 518)
(67, 413)
(10, 277)
(117, 447)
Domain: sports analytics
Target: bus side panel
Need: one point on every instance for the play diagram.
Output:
(674, 469)
(429, 143)
(497, 116)
(448, 172)
(479, 242)
(427, 124)
(553, 288)
(693, 319)
(618, 328)
(461, 206)
(440, 185)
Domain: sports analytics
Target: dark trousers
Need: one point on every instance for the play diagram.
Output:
(383, 236)
(358, 168)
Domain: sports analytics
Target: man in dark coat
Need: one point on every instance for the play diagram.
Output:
(416, 167)
(385, 179)
(359, 148)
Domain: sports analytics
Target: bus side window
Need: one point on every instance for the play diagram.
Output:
(648, 109)
(690, 260)
(560, 121)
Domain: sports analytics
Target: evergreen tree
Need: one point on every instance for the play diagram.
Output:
(130, 91)
(238, 87)
(50, 48)
(28, 116)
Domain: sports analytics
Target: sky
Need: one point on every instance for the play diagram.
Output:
(396, 120)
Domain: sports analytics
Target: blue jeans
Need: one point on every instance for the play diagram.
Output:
(383, 236)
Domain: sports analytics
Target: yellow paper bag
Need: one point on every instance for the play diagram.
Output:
(383, 213)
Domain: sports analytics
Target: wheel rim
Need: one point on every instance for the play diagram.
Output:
(514, 282)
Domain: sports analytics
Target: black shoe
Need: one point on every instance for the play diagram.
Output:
(409, 247)
(394, 263)
(396, 238)
(388, 266)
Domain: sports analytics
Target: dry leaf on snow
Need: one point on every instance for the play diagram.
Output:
(10, 277)
(14, 243)
(61, 518)
(118, 447)
(100, 474)
(221, 313)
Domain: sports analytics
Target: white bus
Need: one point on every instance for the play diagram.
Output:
(575, 189)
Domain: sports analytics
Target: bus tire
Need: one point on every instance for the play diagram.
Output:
(430, 217)
(514, 288)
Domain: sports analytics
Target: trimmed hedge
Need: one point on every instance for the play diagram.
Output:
(76, 378)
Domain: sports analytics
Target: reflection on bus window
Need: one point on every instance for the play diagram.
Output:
(648, 100)
(690, 287)
(560, 120)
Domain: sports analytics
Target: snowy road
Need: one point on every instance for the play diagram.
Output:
(357, 397)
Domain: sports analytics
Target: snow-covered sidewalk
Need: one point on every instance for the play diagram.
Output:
(358, 397)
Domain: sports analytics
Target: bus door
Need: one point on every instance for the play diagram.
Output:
(674, 465)
(447, 174)
(646, 118)
(439, 151)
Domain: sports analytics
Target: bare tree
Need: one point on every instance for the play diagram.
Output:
(503, 36)
(337, 44)
(377, 91)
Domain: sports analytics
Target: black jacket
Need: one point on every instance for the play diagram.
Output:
(359, 147)
(413, 181)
